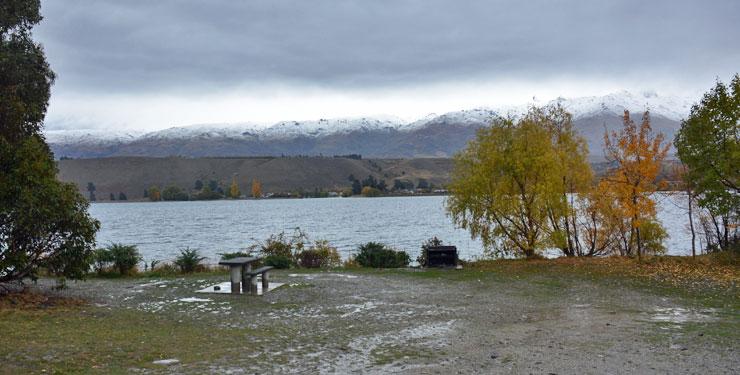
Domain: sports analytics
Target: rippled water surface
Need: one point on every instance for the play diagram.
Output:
(160, 229)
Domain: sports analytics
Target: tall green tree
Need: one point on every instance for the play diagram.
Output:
(508, 185)
(43, 223)
(708, 143)
(25, 76)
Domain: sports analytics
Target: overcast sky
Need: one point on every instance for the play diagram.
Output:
(155, 64)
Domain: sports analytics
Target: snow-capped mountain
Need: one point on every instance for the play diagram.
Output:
(91, 136)
(433, 135)
(669, 107)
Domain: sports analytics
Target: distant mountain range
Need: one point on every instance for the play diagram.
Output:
(432, 136)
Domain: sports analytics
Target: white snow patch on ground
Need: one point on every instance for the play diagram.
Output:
(167, 362)
(355, 308)
(346, 276)
(153, 283)
(194, 299)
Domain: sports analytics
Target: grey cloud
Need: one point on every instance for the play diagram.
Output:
(169, 45)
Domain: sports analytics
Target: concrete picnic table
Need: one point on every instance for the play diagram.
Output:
(240, 268)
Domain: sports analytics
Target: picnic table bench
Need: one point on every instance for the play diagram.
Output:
(243, 278)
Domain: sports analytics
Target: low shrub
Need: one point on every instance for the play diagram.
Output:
(189, 260)
(280, 248)
(102, 261)
(277, 261)
(151, 265)
(351, 262)
(237, 254)
(118, 257)
(378, 255)
(277, 245)
(320, 255)
(653, 235)
(163, 269)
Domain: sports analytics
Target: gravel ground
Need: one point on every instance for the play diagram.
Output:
(442, 322)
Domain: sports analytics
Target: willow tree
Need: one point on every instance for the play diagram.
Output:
(574, 173)
(637, 155)
(43, 223)
(510, 185)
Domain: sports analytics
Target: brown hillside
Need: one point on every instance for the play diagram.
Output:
(133, 175)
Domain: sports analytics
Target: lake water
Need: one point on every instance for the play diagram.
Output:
(161, 229)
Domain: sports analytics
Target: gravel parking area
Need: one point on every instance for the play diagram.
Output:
(421, 322)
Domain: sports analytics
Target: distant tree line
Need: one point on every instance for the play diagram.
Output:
(370, 186)
(91, 189)
(349, 156)
(208, 190)
(320, 155)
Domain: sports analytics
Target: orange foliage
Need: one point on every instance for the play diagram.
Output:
(256, 188)
(637, 155)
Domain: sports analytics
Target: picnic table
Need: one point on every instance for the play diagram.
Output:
(243, 278)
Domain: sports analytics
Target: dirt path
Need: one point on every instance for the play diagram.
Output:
(409, 322)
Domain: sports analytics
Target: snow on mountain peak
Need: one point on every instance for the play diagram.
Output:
(91, 136)
(671, 107)
(203, 131)
(323, 127)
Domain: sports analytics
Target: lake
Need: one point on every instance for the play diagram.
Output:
(160, 229)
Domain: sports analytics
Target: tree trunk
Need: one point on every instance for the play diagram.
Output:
(639, 244)
(635, 221)
(726, 234)
(691, 225)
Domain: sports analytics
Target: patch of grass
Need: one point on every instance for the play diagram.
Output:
(724, 333)
(166, 271)
(722, 329)
(387, 355)
(30, 299)
(701, 274)
(86, 339)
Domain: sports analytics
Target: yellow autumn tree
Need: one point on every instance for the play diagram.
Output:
(636, 154)
(508, 186)
(234, 188)
(573, 173)
(256, 188)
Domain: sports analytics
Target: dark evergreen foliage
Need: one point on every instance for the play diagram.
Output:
(43, 223)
